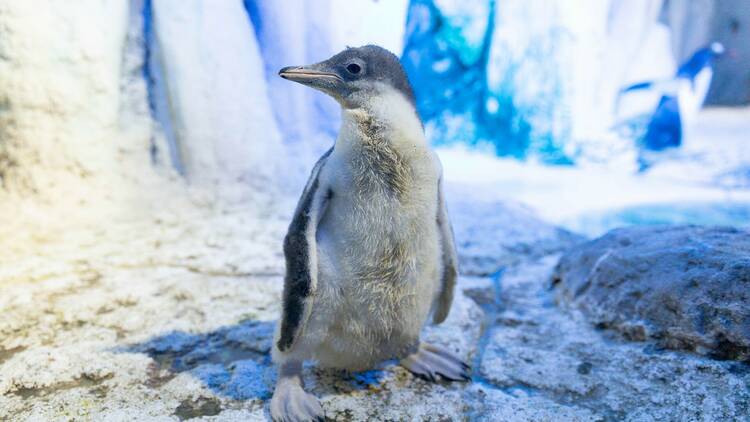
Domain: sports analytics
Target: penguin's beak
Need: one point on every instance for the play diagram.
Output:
(312, 75)
(320, 76)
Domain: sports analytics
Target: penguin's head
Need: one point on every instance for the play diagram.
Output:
(701, 59)
(717, 48)
(354, 76)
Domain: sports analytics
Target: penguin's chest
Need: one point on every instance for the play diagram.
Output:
(378, 304)
(388, 217)
(381, 247)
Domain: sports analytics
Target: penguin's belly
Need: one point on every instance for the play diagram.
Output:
(378, 277)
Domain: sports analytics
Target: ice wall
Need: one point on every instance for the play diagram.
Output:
(214, 80)
(445, 55)
(532, 44)
(60, 74)
(531, 78)
(199, 76)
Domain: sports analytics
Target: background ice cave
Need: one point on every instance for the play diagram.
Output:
(531, 90)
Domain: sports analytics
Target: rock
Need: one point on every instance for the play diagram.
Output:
(494, 235)
(543, 363)
(688, 287)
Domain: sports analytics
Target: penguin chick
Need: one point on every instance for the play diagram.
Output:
(370, 251)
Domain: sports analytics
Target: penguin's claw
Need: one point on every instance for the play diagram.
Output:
(432, 362)
(290, 403)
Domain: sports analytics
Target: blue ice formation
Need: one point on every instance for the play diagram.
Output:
(158, 100)
(529, 79)
(480, 81)
(447, 54)
(447, 70)
(680, 100)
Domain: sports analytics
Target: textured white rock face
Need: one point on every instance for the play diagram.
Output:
(489, 242)
(218, 102)
(59, 81)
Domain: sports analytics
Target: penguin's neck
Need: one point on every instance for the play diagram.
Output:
(383, 145)
(386, 120)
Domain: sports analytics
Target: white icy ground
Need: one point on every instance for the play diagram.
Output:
(711, 169)
(171, 317)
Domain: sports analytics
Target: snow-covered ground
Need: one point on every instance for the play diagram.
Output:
(706, 182)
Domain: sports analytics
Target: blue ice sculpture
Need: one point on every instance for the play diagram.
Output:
(449, 45)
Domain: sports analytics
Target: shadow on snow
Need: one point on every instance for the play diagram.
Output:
(235, 362)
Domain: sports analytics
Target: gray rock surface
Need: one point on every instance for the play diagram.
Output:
(688, 287)
(537, 350)
(494, 235)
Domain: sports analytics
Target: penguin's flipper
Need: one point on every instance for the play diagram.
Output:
(655, 88)
(448, 255)
(300, 252)
(637, 87)
(660, 85)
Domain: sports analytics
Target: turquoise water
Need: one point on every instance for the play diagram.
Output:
(710, 214)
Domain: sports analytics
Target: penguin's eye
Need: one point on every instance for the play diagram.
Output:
(353, 68)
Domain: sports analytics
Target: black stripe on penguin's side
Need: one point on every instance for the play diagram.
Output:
(298, 280)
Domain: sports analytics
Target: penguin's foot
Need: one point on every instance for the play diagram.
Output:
(290, 402)
(432, 362)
